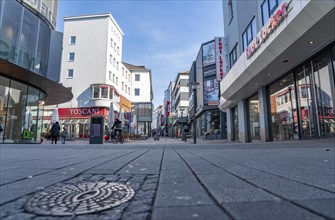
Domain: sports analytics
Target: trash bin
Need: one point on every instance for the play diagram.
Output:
(97, 130)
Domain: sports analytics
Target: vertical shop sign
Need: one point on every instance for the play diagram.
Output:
(219, 58)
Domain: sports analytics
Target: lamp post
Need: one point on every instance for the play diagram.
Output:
(194, 89)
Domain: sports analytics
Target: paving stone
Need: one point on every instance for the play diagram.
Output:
(189, 213)
(325, 207)
(292, 190)
(181, 195)
(268, 210)
(138, 216)
(21, 216)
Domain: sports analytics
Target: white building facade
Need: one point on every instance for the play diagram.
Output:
(180, 97)
(141, 98)
(92, 69)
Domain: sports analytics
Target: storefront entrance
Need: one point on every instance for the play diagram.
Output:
(302, 102)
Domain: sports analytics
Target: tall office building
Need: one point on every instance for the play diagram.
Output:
(281, 60)
(30, 55)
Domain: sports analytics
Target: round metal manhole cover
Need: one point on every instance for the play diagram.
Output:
(80, 198)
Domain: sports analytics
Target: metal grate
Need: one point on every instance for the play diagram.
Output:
(79, 198)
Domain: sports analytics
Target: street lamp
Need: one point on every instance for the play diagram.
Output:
(194, 89)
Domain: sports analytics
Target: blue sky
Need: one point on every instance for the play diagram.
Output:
(163, 35)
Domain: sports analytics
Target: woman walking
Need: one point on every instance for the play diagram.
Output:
(54, 132)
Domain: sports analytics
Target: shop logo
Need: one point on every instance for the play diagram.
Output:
(274, 21)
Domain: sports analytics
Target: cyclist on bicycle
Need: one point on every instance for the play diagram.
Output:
(117, 125)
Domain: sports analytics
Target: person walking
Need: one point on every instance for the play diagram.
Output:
(63, 135)
(54, 132)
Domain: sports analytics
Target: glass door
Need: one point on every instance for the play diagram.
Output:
(235, 124)
(305, 102)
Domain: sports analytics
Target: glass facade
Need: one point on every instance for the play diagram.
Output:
(20, 112)
(302, 101)
(24, 38)
(254, 125)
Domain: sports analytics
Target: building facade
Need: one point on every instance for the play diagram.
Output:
(30, 54)
(92, 69)
(205, 94)
(168, 105)
(180, 97)
(141, 98)
(281, 58)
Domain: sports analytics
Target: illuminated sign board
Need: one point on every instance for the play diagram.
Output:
(274, 21)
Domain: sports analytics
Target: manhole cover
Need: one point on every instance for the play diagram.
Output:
(81, 198)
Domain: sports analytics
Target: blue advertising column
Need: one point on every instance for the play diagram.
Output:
(97, 130)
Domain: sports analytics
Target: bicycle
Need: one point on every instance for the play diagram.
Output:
(118, 138)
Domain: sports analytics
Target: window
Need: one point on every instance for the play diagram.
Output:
(69, 73)
(96, 91)
(114, 46)
(110, 58)
(104, 92)
(125, 87)
(117, 65)
(114, 61)
(233, 56)
(137, 92)
(118, 50)
(268, 7)
(112, 42)
(117, 80)
(137, 77)
(122, 71)
(129, 77)
(71, 56)
(249, 33)
(129, 90)
(110, 93)
(113, 78)
(122, 87)
(230, 10)
(73, 40)
(110, 75)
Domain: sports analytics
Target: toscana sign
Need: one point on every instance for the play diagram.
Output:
(274, 21)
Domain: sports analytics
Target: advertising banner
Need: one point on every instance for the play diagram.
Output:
(211, 92)
(219, 58)
(208, 54)
(81, 112)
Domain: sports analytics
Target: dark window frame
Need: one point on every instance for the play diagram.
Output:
(253, 31)
(233, 56)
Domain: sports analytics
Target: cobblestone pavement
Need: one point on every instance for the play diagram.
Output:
(177, 180)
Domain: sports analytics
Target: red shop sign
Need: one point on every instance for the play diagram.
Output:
(81, 112)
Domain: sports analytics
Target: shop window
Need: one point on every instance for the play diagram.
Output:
(69, 74)
(71, 56)
(284, 122)
(249, 33)
(73, 40)
(324, 97)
